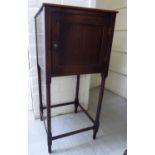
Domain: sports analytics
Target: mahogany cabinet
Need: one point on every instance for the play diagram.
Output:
(72, 41)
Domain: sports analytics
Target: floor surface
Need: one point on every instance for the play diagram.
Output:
(111, 138)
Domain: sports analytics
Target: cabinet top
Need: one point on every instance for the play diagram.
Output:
(64, 7)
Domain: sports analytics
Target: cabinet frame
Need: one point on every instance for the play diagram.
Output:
(47, 62)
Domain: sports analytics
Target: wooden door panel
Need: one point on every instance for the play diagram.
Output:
(79, 42)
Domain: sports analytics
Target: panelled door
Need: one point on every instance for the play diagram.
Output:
(77, 42)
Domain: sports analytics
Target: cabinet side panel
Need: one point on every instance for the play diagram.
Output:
(40, 43)
(110, 34)
(40, 36)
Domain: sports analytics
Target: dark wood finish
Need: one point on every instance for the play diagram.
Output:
(77, 41)
(49, 136)
(125, 152)
(59, 105)
(86, 113)
(77, 93)
(73, 9)
(96, 124)
(72, 133)
(72, 41)
(40, 92)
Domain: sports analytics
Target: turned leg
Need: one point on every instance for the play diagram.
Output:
(97, 124)
(40, 94)
(77, 93)
(49, 133)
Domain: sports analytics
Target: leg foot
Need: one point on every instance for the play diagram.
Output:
(49, 141)
(49, 149)
(41, 116)
(95, 130)
(94, 135)
(76, 107)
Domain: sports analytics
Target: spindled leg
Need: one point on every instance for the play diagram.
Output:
(77, 93)
(97, 124)
(49, 133)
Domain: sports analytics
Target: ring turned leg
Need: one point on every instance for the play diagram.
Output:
(40, 94)
(49, 134)
(77, 93)
(97, 124)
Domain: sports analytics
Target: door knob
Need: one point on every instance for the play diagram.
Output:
(55, 45)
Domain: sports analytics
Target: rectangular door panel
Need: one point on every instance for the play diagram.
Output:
(77, 42)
